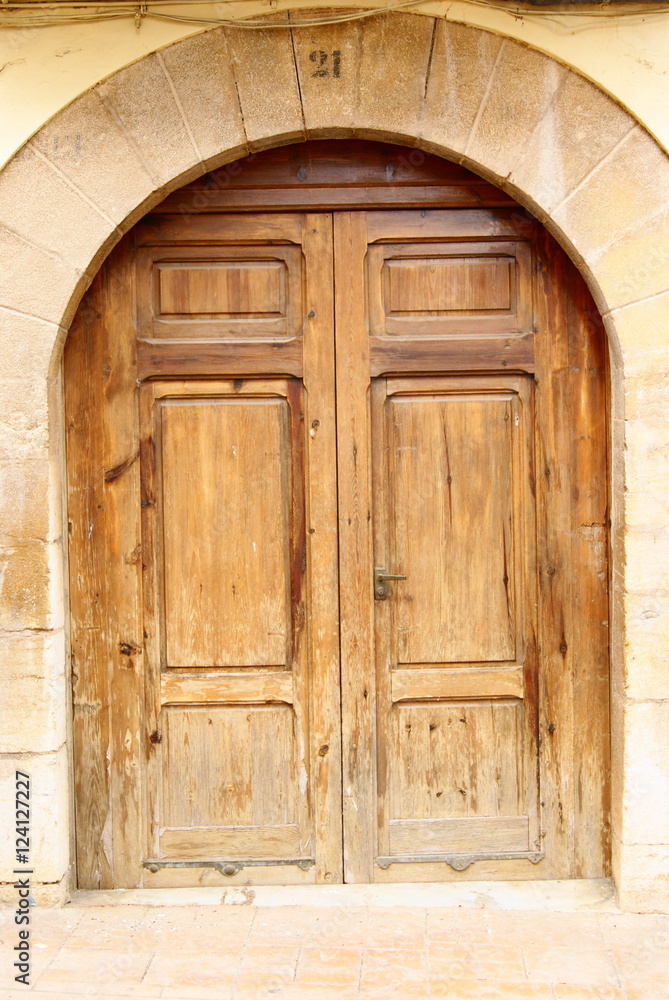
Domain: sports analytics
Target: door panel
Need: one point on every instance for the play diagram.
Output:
(456, 734)
(226, 472)
(224, 517)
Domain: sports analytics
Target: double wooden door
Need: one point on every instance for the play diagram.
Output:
(270, 417)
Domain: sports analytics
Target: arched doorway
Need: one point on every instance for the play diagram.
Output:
(321, 366)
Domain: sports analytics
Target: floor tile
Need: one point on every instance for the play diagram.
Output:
(329, 966)
(97, 966)
(188, 969)
(565, 992)
(468, 989)
(384, 970)
(580, 967)
(272, 959)
(476, 961)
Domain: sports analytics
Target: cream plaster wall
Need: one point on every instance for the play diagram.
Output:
(557, 143)
(43, 69)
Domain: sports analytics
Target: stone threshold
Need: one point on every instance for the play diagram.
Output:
(563, 896)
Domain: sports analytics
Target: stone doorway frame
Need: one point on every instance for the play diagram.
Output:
(555, 142)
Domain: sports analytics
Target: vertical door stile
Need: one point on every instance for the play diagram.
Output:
(322, 550)
(556, 682)
(149, 452)
(355, 547)
(123, 574)
(383, 555)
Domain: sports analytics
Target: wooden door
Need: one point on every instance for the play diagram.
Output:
(203, 523)
(269, 412)
(474, 688)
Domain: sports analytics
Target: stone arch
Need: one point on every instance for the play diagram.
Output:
(546, 135)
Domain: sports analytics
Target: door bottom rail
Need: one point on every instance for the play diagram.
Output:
(459, 862)
(230, 868)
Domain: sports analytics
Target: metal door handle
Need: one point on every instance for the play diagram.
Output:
(381, 576)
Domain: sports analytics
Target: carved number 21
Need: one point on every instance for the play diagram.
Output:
(320, 58)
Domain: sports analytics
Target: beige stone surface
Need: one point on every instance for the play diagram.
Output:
(462, 61)
(40, 207)
(53, 286)
(636, 265)
(28, 345)
(94, 153)
(392, 71)
(580, 126)
(642, 330)
(628, 189)
(25, 500)
(522, 86)
(646, 820)
(30, 573)
(647, 393)
(644, 882)
(647, 552)
(31, 666)
(329, 102)
(266, 80)
(201, 72)
(142, 101)
(646, 643)
(49, 826)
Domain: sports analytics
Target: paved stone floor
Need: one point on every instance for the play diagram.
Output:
(334, 952)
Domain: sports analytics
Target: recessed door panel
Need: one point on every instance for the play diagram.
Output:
(452, 523)
(226, 473)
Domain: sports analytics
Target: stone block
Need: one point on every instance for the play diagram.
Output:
(35, 282)
(49, 808)
(462, 61)
(31, 586)
(647, 394)
(391, 76)
(25, 501)
(647, 457)
(201, 73)
(643, 878)
(141, 100)
(642, 331)
(266, 80)
(646, 573)
(29, 347)
(24, 421)
(579, 127)
(522, 86)
(37, 205)
(646, 772)
(629, 188)
(94, 153)
(636, 265)
(32, 667)
(646, 625)
(328, 63)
